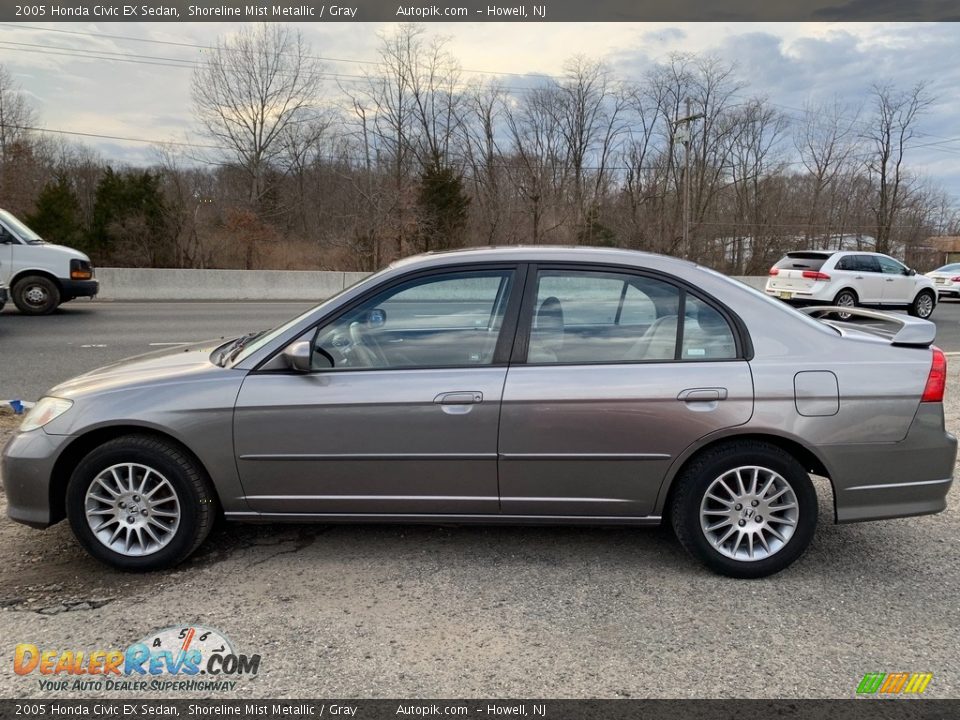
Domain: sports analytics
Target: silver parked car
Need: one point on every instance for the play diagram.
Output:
(513, 385)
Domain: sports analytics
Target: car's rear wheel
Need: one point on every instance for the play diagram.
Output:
(745, 509)
(923, 304)
(36, 295)
(140, 503)
(845, 298)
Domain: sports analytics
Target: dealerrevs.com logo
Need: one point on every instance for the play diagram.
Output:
(187, 658)
(900, 684)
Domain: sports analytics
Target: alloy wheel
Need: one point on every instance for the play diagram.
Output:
(132, 509)
(749, 513)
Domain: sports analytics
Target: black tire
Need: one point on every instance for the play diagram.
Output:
(36, 295)
(842, 298)
(698, 476)
(918, 308)
(196, 498)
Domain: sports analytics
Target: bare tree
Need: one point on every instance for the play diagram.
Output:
(16, 115)
(893, 126)
(589, 116)
(255, 90)
(825, 142)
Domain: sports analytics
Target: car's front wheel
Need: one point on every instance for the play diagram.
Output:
(140, 503)
(36, 295)
(746, 509)
(923, 305)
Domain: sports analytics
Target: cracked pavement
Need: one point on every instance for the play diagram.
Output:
(413, 611)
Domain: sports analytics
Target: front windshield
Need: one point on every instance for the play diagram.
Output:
(270, 336)
(18, 228)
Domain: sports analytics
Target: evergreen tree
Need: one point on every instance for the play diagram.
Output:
(57, 215)
(442, 203)
(129, 218)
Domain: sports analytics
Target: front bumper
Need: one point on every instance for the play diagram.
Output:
(891, 480)
(80, 288)
(27, 466)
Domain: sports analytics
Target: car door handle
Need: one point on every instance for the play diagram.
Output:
(889, 279)
(858, 277)
(703, 395)
(459, 398)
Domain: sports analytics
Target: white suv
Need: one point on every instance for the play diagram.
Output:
(849, 279)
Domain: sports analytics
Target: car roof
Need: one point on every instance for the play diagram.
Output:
(831, 253)
(540, 253)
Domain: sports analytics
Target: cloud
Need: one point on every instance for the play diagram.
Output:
(792, 64)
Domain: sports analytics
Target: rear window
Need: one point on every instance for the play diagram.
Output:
(802, 261)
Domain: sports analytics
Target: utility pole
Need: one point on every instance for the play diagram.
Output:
(681, 129)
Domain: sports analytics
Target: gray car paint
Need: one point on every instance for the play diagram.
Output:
(374, 444)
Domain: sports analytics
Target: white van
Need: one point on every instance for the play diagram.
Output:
(41, 275)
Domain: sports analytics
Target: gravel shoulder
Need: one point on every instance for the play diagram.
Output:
(393, 611)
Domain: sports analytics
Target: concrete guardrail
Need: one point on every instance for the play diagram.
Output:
(178, 284)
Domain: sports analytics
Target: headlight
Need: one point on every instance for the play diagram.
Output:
(49, 408)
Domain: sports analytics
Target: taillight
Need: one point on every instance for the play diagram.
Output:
(937, 379)
(955, 279)
(774, 271)
(814, 275)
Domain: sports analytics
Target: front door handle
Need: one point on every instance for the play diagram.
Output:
(461, 397)
(703, 394)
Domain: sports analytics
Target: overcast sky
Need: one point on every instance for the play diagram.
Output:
(790, 63)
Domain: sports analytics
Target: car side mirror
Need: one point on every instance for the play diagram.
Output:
(909, 272)
(298, 356)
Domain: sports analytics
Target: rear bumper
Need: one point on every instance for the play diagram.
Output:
(79, 288)
(821, 294)
(891, 480)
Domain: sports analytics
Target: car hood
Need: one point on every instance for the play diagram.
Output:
(62, 250)
(151, 368)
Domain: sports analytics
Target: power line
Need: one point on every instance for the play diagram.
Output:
(214, 47)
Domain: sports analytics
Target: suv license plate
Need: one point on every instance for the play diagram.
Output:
(786, 295)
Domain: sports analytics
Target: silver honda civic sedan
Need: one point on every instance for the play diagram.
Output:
(513, 385)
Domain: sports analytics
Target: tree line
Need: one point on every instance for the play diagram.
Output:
(294, 168)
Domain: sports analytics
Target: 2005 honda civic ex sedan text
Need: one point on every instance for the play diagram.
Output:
(513, 385)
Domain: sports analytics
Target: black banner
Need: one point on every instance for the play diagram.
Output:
(479, 10)
(139, 709)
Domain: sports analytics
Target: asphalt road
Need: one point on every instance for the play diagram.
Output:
(36, 353)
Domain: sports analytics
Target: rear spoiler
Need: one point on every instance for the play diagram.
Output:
(905, 330)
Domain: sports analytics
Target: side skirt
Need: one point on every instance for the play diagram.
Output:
(436, 519)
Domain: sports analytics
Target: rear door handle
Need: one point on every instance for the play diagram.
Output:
(703, 394)
(462, 397)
